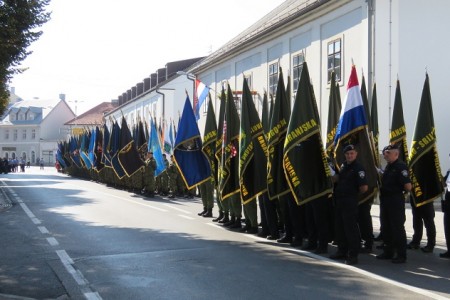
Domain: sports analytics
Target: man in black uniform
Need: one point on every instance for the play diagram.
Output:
(395, 181)
(350, 182)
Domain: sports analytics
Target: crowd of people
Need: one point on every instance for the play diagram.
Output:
(13, 165)
(340, 219)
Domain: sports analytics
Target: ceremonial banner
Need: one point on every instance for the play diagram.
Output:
(114, 147)
(374, 123)
(229, 165)
(276, 180)
(425, 170)
(106, 157)
(334, 109)
(154, 146)
(75, 152)
(252, 150)
(304, 161)
(190, 160)
(397, 135)
(352, 129)
(210, 138)
(128, 155)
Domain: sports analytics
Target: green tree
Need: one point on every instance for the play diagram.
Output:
(19, 20)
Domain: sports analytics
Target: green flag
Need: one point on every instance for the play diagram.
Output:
(365, 100)
(374, 122)
(276, 181)
(425, 170)
(397, 135)
(369, 118)
(334, 110)
(210, 138)
(219, 139)
(229, 166)
(265, 114)
(252, 150)
(305, 163)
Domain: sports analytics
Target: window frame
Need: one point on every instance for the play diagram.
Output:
(332, 58)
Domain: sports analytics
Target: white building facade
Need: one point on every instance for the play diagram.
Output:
(385, 40)
(30, 129)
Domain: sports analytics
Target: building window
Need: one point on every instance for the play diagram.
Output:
(30, 116)
(15, 135)
(273, 78)
(24, 134)
(21, 117)
(334, 59)
(33, 134)
(297, 66)
(33, 157)
(7, 134)
(12, 116)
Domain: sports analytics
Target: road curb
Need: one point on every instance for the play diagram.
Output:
(5, 202)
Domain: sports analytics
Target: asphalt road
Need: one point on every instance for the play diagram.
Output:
(65, 238)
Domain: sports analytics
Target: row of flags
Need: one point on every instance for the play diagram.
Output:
(280, 152)
(118, 147)
(283, 152)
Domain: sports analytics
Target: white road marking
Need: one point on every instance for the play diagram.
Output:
(52, 241)
(43, 230)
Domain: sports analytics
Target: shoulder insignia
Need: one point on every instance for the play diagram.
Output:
(362, 174)
(405, 173)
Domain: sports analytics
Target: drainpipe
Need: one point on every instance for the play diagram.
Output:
(164, 100)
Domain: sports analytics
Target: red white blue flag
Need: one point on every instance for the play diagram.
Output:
(201, 92)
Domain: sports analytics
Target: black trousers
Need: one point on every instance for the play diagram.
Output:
(424, 215)
(365, 222)
(269, 218)
(294, 217)
(317, 222)
(392, 208)
(446, 211)
(347, 231)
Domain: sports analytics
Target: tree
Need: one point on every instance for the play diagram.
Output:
(19, 20)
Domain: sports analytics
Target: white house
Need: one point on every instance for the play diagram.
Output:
(30, 129)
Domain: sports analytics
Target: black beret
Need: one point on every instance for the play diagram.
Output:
(390, 147)
(349, 147)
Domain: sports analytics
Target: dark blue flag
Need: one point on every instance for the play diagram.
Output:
(189, 157)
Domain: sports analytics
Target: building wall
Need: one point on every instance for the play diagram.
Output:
(417, 45)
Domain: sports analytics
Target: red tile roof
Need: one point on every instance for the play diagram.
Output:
(94, 116)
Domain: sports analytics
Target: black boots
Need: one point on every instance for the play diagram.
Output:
(208, 213)
(202, 212)
(220, 217)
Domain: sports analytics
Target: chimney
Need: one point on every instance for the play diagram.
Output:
(139, 88)
(153, 80)
(62, 97)
(147, 84)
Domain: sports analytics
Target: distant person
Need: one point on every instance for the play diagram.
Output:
(28, 164)
(41, 163)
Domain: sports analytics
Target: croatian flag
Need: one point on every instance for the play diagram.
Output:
(352, 116)
(201, 92)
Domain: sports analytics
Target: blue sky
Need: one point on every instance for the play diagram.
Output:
(94, 50)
